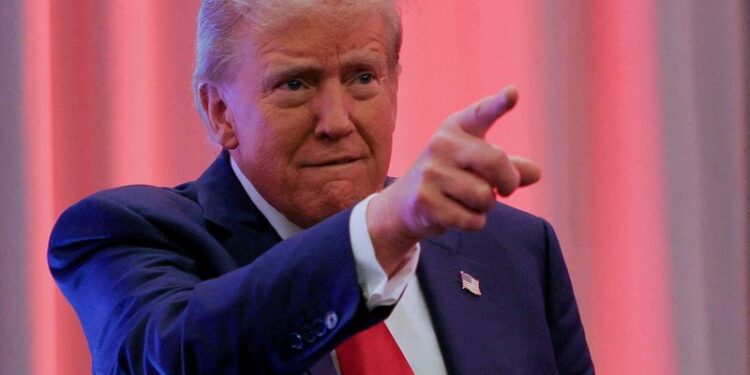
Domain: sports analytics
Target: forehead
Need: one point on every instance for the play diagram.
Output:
(322, 33)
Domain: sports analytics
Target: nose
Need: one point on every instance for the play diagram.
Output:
(333, 112)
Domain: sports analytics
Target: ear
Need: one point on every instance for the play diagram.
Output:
(218, 117)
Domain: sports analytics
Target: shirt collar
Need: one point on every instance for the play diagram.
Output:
(279, 222)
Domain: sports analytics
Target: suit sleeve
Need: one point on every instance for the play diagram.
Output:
(148, 305)
(568, 337)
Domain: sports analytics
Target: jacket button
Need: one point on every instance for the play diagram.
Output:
(319, 327)
(308, 335)
(296, 341)
(331, 320)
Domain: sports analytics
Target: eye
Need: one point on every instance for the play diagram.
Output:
(365, 78)
(292, 85)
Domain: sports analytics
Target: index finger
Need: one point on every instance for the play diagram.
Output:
(479, 117)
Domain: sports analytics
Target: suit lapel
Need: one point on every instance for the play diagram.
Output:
(463, 322)
(231, 215)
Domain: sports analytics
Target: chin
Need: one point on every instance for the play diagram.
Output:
(329, 200)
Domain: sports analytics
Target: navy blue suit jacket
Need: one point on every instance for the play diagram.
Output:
(194, 280)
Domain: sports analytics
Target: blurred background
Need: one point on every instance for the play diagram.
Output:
(636, 110)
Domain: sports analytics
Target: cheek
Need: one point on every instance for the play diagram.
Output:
(377, 125)
(381, 120)
(275, 134)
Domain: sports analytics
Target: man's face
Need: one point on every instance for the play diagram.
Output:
(314, 105)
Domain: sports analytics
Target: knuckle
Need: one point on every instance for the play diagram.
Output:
(472, 222)
(487, 198)
(484, 190)
(441, 142)
(498, 156)
(480, 222)
(431, 172)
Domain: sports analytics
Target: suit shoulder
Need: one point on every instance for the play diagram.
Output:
(513, 217)
(124, 208)
(512, 228)
(146, 199)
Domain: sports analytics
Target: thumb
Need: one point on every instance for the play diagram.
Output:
(530, 172)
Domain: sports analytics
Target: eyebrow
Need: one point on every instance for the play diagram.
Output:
(362, 60)
(280, 68)
(367, 55)
(279, 72)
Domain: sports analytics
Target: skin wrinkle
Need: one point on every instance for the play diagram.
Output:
(331, 118)
(223, 26)
(272, 20)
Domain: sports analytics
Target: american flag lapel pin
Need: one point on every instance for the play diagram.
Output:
(470, 284)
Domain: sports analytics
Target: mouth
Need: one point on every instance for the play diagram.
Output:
(339, 161)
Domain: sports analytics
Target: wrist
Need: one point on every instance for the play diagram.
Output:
(391, 239)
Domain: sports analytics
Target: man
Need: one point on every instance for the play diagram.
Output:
(262, 266)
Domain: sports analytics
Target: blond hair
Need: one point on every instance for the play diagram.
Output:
(222, 25)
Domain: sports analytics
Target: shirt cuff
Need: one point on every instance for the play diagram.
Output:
(377, 288)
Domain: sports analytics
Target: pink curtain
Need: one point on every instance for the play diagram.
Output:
(636, 111)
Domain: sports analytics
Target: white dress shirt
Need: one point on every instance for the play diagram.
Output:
(409, 323)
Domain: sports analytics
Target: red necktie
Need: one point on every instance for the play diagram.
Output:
(372, 352)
